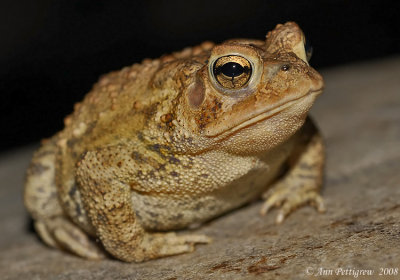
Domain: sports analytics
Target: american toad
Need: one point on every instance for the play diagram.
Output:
(176, 141)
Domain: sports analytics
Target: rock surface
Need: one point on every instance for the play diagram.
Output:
(359, 115)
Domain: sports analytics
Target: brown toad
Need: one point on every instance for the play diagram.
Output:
(176, 141)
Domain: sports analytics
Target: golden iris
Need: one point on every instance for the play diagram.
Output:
(232, 71)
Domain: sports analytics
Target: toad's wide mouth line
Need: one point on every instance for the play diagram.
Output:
(262, 115)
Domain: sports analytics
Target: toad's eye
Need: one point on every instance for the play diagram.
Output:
(232, 71)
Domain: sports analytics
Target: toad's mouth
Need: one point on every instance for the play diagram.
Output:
(258, 117)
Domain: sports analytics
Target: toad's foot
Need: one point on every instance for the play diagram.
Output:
(302, 183)
(42, 200)
(289, 199)
(59, 232)
(167, 244)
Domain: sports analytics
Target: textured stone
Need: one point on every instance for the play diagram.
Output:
(359, 115)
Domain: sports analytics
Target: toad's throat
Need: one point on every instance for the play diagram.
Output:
(259, 117)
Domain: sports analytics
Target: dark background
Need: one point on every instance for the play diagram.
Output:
(51, 52)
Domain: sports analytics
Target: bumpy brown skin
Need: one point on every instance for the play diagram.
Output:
(162, 145)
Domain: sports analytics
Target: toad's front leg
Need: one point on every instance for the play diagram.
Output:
(108, 201)
(302, 183)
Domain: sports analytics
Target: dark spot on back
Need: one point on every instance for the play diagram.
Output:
(140, 136)
(71, 142)
(38, 168)
(174, 160)
(78, 210)
(156, 147)
(152, 214)
(137, 157)
(161, 167)
(198, 206)
(72, 191)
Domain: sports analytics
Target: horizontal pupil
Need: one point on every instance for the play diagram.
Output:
(232, 69)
